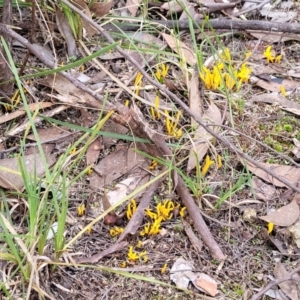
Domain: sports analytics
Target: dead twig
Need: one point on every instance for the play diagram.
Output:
(273, 27)
(275, 282)
(4, 65)
(192, 236)
(95, 258)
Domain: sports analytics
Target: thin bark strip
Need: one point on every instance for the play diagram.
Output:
(95, 258)
(192, 236)
(7, 88)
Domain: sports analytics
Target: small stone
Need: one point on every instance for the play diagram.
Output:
(249, 215)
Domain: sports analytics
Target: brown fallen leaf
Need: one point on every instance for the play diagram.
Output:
(290, 173)
(275, 83)
(278, 242)
(276, 98)
(123, 160)
(100, 9)
(90, 30)
(93, 152)
(112, 127)
(259, 69)
(68, 92)
(285, 216)
(181, 49)
(21, 111)
(10, 175)
(289, 287)
(47, 148)
(50, 134)
(277, 37)
(203, 282)
(262, 190)
(65, 30)
(133, 6)
(293, 73)
(295, 232)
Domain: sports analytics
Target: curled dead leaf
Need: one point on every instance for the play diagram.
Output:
(286, 215)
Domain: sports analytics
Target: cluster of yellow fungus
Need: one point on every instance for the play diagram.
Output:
(208, 163)
(161, 72)
(81, 210)
(134, 256)
(163, 212)
(225, 75)
(270, 57)
(115, 231)
(172, 127)
(154, 111)
(171, 124)
(153, 165)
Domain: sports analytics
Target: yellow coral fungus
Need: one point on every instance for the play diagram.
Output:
(224, 75)
(154, 229)
(131, 208)
(182, 212)
(81, 210)
(116, 231)
(153, 164)
(89, 230)
(146, 230)
(138, 83)
(134, 256)
(208, 163)
(123, 264)
(282, 90)
(172, 126)
(164, 268)
(219, 161)
(164, 210)
(270, 227)
(161, 72)
(270, 57)
(151, 214)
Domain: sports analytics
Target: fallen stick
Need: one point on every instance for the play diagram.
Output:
(95, 258)
(272, 27)
(273, 283)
